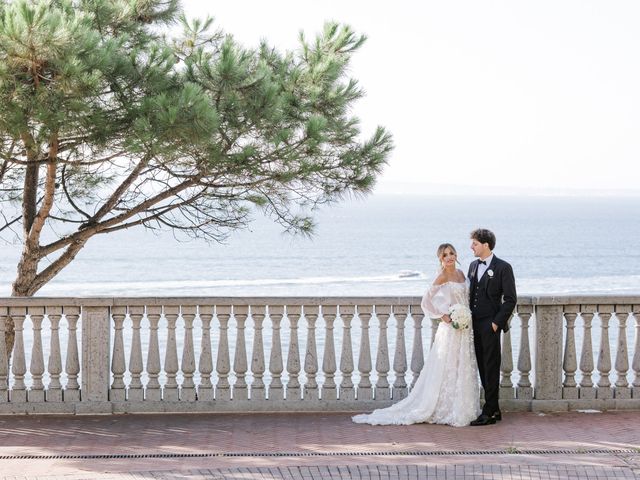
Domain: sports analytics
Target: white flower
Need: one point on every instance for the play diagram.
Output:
(460, 316)
(490, 272)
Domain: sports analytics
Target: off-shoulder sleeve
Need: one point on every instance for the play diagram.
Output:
(436, 302)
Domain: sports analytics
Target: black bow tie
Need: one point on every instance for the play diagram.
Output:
(482, 262)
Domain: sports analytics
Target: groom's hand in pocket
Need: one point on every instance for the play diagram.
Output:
(494, 326)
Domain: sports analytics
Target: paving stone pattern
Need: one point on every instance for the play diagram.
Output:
(327, 446)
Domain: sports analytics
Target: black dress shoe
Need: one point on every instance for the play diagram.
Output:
(498, 416)
(483, 420)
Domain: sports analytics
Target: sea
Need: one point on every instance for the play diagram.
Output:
(382, 245)
(378, 245)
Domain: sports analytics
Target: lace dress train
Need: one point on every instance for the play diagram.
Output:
(447, 390)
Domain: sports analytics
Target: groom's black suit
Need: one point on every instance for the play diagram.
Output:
(492, 300)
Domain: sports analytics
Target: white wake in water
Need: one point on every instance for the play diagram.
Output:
(383, 285)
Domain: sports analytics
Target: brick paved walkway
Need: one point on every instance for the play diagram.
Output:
(378, 472)
(317, 446)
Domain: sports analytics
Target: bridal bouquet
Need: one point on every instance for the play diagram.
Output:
(460, 316)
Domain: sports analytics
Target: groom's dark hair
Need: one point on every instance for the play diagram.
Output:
(483, 235)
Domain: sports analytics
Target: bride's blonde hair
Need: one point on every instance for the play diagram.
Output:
(441, 250)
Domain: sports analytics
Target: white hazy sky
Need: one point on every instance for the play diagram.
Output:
(542, 94)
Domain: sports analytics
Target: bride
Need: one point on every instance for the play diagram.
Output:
(447, 390)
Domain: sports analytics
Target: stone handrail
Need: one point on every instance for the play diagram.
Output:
(190, 354)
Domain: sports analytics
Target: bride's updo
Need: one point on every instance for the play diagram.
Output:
(443, 247)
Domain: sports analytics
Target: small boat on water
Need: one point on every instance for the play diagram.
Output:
(409, 274)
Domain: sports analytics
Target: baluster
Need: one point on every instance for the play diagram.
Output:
(400, 356)
(71, 392)
(257, 358)
(604, 358)
(570, 364)
(240, 313)
(524, 390)
(311, 355)
(365, 391)
(153, 392)
(635, 363)
(118, 367)
(54, 392)
(135, 358)
(19, 369)
(622, 389)
(587, 389)
(417, 357)
(347, 391)
(223, 363)
(382, 392)
(329, 391)
(188, 362)
(171, 355)
(36, 393)
(276, 391)
(205, 364)
(4, 366)
(506, 367)
(293, 357)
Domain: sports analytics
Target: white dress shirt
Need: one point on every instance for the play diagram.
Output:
(483, 268)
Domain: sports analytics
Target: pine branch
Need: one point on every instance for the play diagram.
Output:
(69, 199)
(117, 194)
(8, 223)
(85, 233)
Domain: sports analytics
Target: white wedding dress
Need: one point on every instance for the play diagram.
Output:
(447, 390)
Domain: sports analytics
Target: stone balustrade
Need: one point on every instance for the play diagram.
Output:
(119, 355)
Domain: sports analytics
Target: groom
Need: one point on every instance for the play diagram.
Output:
(492, 300)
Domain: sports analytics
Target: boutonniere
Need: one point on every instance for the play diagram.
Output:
(490, 273)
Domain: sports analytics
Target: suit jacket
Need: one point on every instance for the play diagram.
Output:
(497, 295)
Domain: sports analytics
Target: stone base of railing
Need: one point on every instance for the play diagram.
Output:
(579, 405)
(248, 406)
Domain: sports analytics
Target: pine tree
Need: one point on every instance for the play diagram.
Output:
(107, 122)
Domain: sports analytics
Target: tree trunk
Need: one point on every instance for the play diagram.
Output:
(28, 265)
(33, 221)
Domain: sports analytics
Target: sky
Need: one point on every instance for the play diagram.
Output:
(495, 96)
